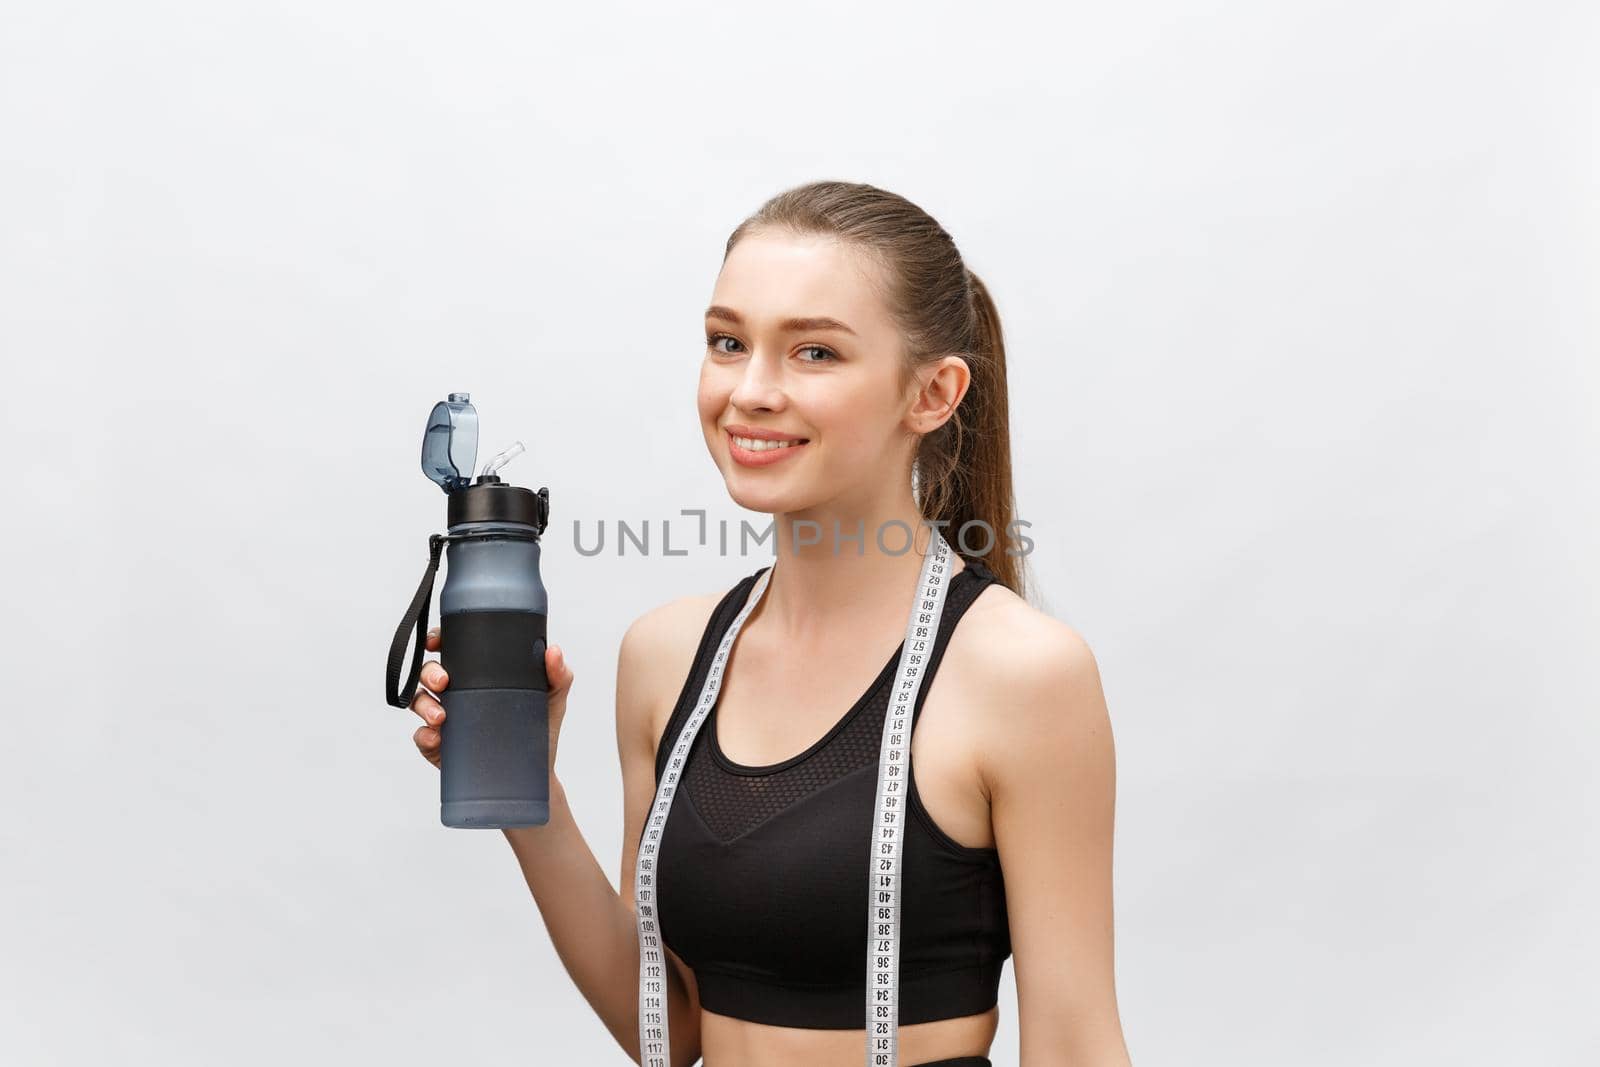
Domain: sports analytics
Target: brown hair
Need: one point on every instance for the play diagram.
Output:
(961, 472)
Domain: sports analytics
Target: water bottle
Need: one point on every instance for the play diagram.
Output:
(494, 744)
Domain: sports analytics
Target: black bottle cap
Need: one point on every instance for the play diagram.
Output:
(490, 500)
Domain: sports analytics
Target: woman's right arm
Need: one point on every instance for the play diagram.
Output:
(593, 926)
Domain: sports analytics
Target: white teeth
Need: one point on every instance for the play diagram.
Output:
(754, 445)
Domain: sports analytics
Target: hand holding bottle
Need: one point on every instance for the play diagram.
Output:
(434, 679)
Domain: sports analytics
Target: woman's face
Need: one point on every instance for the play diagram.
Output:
(775, 362)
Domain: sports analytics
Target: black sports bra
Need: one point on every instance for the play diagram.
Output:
(762, 872)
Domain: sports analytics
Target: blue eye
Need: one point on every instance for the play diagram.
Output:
(819, 348)
(711, 342)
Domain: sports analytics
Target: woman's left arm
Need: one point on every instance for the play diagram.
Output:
(1050, 766)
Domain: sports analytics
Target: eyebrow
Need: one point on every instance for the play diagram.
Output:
(814, 322)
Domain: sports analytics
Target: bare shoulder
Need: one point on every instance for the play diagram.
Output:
(652, 663)
(654, 659)
(1039, 681)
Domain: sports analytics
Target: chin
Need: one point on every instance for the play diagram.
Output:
(766, 499)
(766, 503)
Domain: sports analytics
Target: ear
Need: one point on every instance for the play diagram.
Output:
(939, 387)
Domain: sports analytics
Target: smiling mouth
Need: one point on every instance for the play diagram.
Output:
(757, 444)
(757, 452)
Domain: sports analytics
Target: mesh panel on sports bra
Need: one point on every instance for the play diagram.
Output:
(732, 804)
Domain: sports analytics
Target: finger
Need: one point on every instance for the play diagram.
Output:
(427, 740)
(428, 709)
(434, 676)
(556, 670)
(432, 643)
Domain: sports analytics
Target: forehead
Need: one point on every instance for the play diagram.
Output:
(772, 275)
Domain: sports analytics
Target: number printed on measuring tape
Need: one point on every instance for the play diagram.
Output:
(883, 875)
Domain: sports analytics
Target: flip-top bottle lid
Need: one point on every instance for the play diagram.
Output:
(450, 443)
(449, 450)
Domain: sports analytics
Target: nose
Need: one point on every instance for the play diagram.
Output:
(760, 387)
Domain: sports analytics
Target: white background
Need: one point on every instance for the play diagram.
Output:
(1301, 327)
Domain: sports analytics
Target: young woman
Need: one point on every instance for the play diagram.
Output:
(854, 388)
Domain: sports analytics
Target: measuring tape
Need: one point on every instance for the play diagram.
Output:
(883, 874)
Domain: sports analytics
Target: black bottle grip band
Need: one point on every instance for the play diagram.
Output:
(416, 616)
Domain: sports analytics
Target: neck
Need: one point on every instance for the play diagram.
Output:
(830, 567)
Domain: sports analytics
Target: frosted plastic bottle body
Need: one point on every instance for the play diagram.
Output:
(495, 740)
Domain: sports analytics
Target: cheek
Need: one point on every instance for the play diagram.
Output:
(711, 395)
(851, 422)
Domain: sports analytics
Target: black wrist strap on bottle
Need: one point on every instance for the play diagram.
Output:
(416, 615)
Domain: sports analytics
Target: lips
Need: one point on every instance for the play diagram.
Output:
(763, 457)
